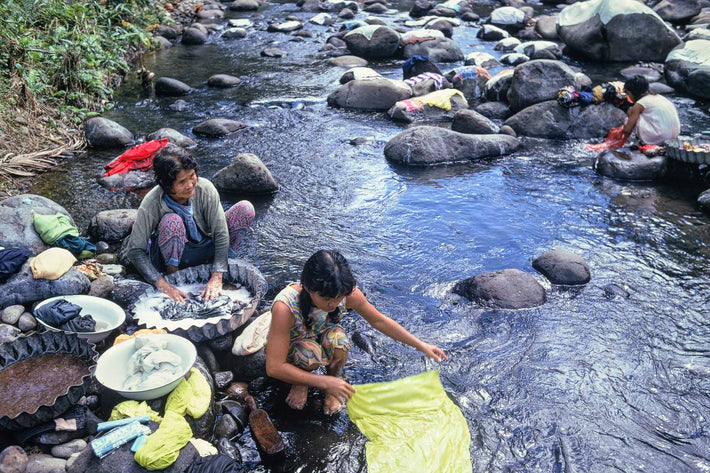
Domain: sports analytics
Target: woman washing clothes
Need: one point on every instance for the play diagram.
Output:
(181, 223)
(653, 116)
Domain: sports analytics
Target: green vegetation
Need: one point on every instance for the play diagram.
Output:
(59, 63)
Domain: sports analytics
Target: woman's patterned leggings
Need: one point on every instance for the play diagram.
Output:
(172, 235)
(309, 353)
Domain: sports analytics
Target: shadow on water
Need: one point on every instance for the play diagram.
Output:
(610, 377)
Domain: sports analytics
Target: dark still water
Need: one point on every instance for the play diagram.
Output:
(610, 377)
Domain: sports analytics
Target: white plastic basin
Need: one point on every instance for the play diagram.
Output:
(108, 315)
(112, 366)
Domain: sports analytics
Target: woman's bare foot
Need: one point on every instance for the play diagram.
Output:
(297, 396)
(332, 405)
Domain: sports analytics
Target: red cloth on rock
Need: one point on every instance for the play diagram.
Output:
(137, 158)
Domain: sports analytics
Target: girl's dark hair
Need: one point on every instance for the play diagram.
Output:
(328, 274)
(637, 85)
(167, 165)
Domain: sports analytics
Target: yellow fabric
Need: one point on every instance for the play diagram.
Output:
(144, 331)
(163, 446)
(133, 409)
(412, 426)
(52, 263)
(598, 94)
(440, 98)
(203, 447)
(191, 396)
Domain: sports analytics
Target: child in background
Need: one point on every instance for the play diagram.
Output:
(305, 333)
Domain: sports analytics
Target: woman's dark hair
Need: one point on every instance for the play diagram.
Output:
(328, 274)
(167, 165)
(637, 85)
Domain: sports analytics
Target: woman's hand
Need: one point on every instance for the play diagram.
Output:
(171, 291)
(337, 387)
(433, 352)
(213, 288)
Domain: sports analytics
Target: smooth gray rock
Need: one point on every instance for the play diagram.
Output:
(167, 31)
(113, 270)
(8, 333)
(472, 122)
(506, 289)
(16, 215)
(223, 81)
(346, 14)
(540, 80)
(127, 291)
(68, 449)
(546, 26)
(162, 42)
(223, 378)
(173, 136)
(13, 459)
(376, 8)
(244, 5)
(347, 61)
(285, 27)
(430, 145)
(496, 88)
(369, 94)
(226, 427)
(246, 174)
(549, 120)
(590, 31)
(383, 43)
(112, 225)
(168, 87)
(687, 68)
(246, 368)
(24, 288)
(627, 165)
(437, 50)
(10, 315)
(27, 322)
(216, 127)
(102, 287)
(660, 88)
(677, 10)
(129, 180)
(43, 463)
(563, 267)
(232, 33)
(506, 130)
(537, 49)
(704, 202)
(273, 52)
(193, 36)
(650, 74)
(491, 33)
(102, 133)
(508, 18)
(495, 110)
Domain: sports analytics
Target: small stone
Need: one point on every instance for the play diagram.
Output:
(226, 427)
(8, 333)
(506, 130)
(273, 52)
(43, 463)
(113, 269)
(13, 460)
(10, 315)
(102, 287)
(107, 258)
(102, 246)
(223, 378)
(234, 33)
(27, 322)
(68, 449)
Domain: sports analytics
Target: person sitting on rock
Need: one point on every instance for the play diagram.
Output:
(181, 223)
(653, 116)
(305, 333)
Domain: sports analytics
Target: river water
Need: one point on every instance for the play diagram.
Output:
(610, 377)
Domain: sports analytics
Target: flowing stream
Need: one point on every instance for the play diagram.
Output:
(610, 377)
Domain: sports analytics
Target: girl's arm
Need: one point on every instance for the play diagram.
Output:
(277, 365)
(634, 114)
(389, 327)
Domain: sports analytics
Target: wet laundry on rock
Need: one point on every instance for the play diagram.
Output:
(569, 97)
(79, 246)
(163, 446)
(11, 260)
(137, 158)
(52, 263)
(57, 230)
(438, 79)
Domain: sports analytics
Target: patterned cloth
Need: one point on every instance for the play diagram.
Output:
(312, 346)
(172, 235)
(437, 78)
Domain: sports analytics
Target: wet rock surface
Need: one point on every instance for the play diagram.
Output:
(506, 289)
(562, 267)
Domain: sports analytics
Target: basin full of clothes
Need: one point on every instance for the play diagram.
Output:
(147, 366)
(690, 150)
(197, 320)
(90, 317)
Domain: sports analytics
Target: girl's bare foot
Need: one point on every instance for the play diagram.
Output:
(332, 405)
(297, 396)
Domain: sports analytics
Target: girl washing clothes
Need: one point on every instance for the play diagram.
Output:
(305, 333)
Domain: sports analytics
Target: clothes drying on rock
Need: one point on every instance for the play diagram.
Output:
(52, 263)
(53, 227)
(137, 158)
(79, 246)
(11, 260)
(438, 79)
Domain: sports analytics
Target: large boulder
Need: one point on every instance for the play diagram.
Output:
(627, 165)
(169, 87)
(615, 30)
(18, 229)
(550, 120)
(434, 106)
(215, 127)
(431, 145)
(173, 136)
(563, 267)
(677, 10)
(245, 175)
(373, 41)
(112, 225)
(370, 94)
(436, 49)
(704, 201)
(546, 26)
(473, 123)
(506, 289)
(508, 18)
(132, 180)
(23, 288)
(687, 68)
(540, 80)
(102, 133)
(193, 36)
(497, 87)
(539, 50)
(491, 33)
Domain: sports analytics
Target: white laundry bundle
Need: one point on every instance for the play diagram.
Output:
(152, 365)
(253, 338)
